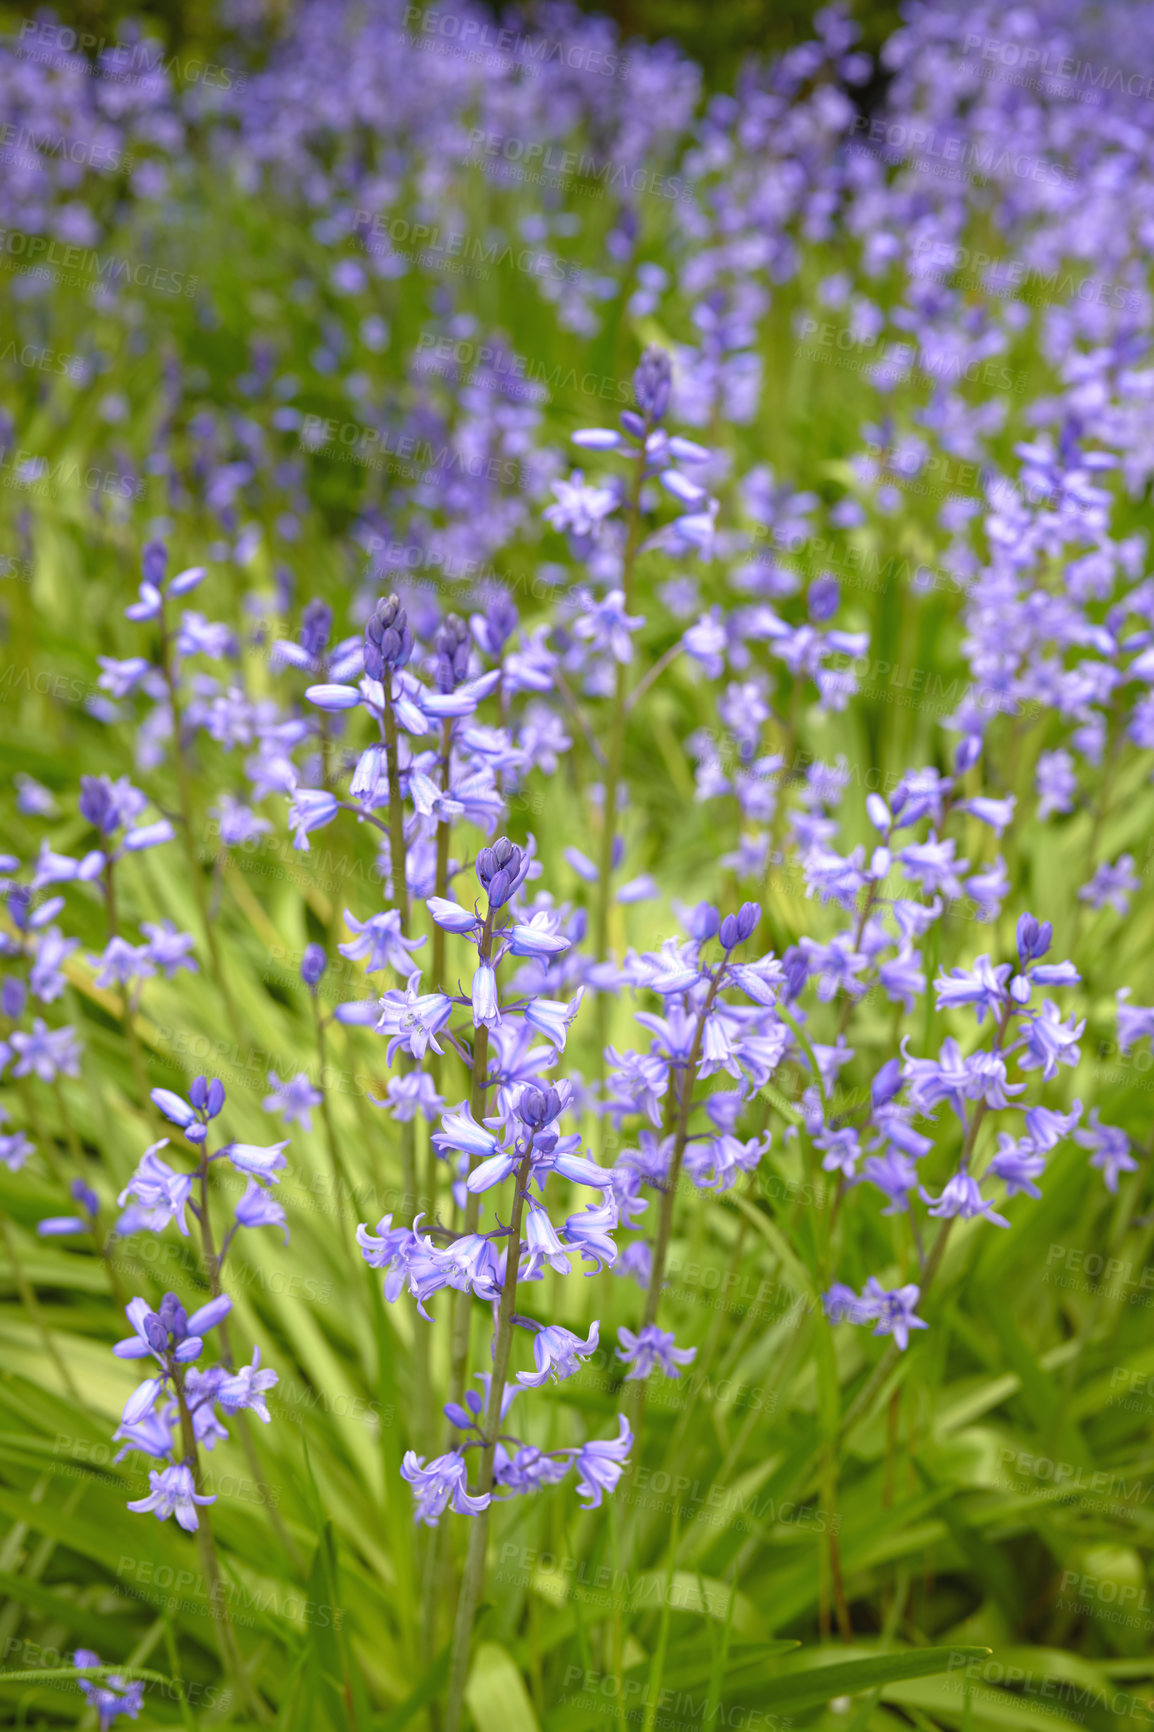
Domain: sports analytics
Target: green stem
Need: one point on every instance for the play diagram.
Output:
(184, 789)
(340, 1184)
(126, 1016)
(212, 1263)
(615, 765)
(32, 1306)
(669, 1190)
(474, 1577)
(210, 1564)
(422, 1395)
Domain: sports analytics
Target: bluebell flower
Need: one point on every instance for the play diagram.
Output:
(46, 977)
(444, 1480)
(600, 1464)
(412, 1019)
(652, 1348)
(528, 1468)
(962, 1196)
(409, 1095)
(983, 986)
(112, 1696)
(591, 1233)
(1017, 1164)
(247, 1388)
(258, 1208)
(542, 1245)
(557, 1353)
(891, 1312)
(1049, 1041)
(15, 1149)
(381, 941)
(1112, 885)
(205, 1102)
(258, 1161)
(895, 1176)
(1135, 1021)
(60, 1226)
(1111, 1149)
(293, 1099)
(160, 1192)
(388, 640)
(172, 1492)
(121, 963)
(311, 809)
(313, 965)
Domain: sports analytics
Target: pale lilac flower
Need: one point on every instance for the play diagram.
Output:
(293, 1100)
(651, 1348)
(111, 1696)
(161, 1195)
(444, 1480)
(1111, 1149)
(1113, 885)
(600, 1465)
(558, 1353)
(172, 1492)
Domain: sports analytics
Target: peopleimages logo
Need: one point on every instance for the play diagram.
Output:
(918, 141)
(1039, 63)
(43, 254)
(466, 35)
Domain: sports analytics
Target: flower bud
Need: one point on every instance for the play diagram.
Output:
(153, 563)
(313, 964)
(316, 624)
(98, 803)
(651, 384)
(452, 651)
(388, 640)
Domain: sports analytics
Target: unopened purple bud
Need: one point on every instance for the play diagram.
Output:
(313, 964)
(968, 752)
(13, 997)
(500, 886)
(198, 1093)
(316, 624)
(388, 640)
(824, 598)
(748, 916)
(173, 1316)
(633, 423)
(1034, 938)
(704, 922)
(215, 1097)
(500, 618)
(796, 970)
(736, 928)
(172, 1107)
(539, 1107)
(652, 382)
(97, 802)
(156, 1332)
(887, 1083)
(500, 870)
(19, 904)
(86, 1197)
(452, 652)
(208, 1316)
(154, 562)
